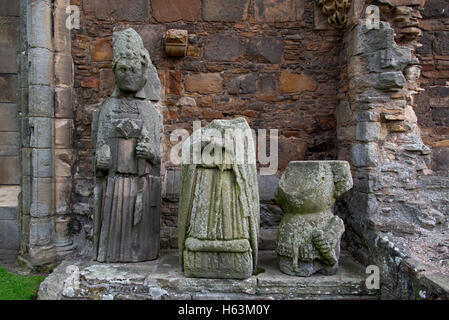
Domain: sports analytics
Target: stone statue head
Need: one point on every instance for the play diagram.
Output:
(131, 61)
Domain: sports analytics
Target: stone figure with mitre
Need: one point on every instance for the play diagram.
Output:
(126, 137)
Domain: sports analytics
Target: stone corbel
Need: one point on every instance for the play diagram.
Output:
(176, 43)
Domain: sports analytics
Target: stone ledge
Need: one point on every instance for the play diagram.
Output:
(163, 279)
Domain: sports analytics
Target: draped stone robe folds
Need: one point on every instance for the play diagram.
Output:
(127, 195)
(218, 217)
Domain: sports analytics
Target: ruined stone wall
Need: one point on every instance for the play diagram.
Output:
(397, 217)
(9, 131)
(275, 62)
(433, 103)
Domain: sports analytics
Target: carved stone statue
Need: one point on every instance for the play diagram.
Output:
(309, 233)
(126, 135)
(218, 217)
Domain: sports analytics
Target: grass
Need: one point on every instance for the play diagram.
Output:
(17, 287)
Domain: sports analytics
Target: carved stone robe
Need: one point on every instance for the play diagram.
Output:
(218, 216)
(127, 196)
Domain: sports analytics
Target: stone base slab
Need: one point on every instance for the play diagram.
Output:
(163, 279)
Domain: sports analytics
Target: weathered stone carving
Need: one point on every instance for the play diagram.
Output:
(218, 217)
(309, 233)
(176, 43)
(127, 159)
(337, 11)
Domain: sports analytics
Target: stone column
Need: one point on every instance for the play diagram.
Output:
(37, 195)
(63, 126)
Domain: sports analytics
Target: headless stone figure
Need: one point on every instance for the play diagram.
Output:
(127, 158)
(309, 233)
(218, 217)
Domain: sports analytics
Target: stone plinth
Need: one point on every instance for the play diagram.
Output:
(163, 279)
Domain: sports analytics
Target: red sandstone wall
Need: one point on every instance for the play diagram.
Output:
(432, 105)
(265, 60)
(286, 73)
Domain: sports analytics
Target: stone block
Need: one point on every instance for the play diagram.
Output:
(9, 8)
(63, 160)
(391, 81)
(9, 234)
(296, 83)
(172, 185)
(101, 50)
(435, 9)
(203, 83)
(173, 79)
(8, 84)
(267, 83)
(367, 131)
(42, 163)
(90, 82)
(440, 116)
(8, 55)
(63, 191)
(175, 10)
(290, 148)
(9, 144)
(225, 11)
(267, 187)
(25, 200)
(63, 102)
(9, 170)
(40, 101)
(40, 25)
(266, 49)
(8, 213)
(243, 84)
(41, 197)
(440, 158)
(365, 155)
(41, 255)
(369, 40)
(153, 40)
(278, 10)
(186, 102)
(63, 132)
(26, 161)
(8, 117)
(440, 43)
(63, 69)
(62, 39)
(107, 81)
(25, 132)
(40, 67)
(122, 10)
(391, 59)
(267, 239)
(41, 231)
(62, 4)
(9, 200)
(40, 132)
(343, 113)
(222, 48)
(346, 133)
(9, 31)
